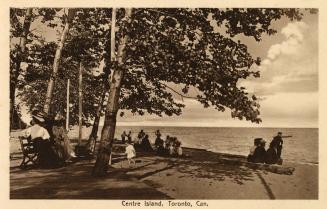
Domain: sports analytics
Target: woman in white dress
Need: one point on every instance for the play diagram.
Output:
(40, 138)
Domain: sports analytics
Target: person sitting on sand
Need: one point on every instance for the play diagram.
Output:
(271, 155)
(173, 146)
(171, 149)
(256, 143)
(167, 142)
(145, 144)
(131, 153)
(260, 152)
(178, 147)
(160, 147)
(158, 142)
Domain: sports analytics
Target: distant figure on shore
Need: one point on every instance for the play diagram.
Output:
(171, 149)
(271, 155)
(277, 143)
(129, 137)
(145, 144)
(173, 146)
(158, 142)
(178, 147)
(160, 146)
(166, 143)
(256, 143)
(260, 152)
(141, 135)
(158, 134)
(131, 153)
(123, 136)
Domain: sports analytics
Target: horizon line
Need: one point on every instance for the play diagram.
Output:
(194, 126)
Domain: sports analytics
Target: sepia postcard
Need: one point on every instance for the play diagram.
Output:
(161, 104)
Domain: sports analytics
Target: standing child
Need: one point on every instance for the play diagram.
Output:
(131, 153)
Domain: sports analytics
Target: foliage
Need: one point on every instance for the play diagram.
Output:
(189, 47)
(195, 48)
(90, 42)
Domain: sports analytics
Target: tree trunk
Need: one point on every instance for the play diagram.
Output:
(56, 61)
(18, 61)
(108, 131)
(67, 109)
(95, 128)
(80, 103)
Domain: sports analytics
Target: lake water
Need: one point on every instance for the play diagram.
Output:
(302, 147)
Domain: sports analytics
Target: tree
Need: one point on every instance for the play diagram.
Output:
(22, 38)
(17, 56)
(108, 131)
(108, 55)
(89, 33)
(70, 16)
(188, 47)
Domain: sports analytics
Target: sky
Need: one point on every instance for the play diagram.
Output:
(287, 87)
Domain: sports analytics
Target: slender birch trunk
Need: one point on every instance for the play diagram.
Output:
(18, 61)
(108, 131)
(56, 61)
(80, 103)
(67, 109)
(95, 128)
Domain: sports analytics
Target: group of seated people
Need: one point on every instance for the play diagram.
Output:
(258, 153)
(171, 146)
(142, 142)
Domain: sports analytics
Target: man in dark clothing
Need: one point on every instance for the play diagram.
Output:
(141, 134)
(277, 143)
(123, 135)
(129, 137)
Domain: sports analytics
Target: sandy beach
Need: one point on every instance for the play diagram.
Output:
(202, 175)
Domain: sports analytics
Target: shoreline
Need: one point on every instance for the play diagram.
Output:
(288, 158)
(202, 175)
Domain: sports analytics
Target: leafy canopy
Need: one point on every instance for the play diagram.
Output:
(194, 48)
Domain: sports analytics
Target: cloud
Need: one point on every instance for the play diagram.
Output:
(294, 38)
(291, 65)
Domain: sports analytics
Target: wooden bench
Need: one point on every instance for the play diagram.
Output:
(29, 152)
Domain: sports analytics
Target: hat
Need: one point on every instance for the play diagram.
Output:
(279, 132)
(40, 116)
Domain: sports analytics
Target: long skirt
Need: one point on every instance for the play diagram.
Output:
(48, 154)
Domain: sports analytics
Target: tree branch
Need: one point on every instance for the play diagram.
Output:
(180, 94)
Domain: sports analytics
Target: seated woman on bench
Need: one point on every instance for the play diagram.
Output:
(40, 138)
(37, 131)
